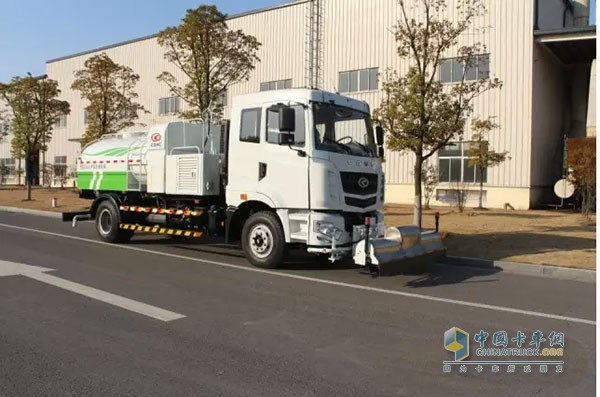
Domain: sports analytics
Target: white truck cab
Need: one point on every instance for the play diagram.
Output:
(327, 180)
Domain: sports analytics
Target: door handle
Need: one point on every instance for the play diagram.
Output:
(262, 170)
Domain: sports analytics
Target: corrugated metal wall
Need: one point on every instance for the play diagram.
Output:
(356, 36)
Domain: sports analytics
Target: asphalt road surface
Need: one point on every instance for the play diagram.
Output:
(164, 317)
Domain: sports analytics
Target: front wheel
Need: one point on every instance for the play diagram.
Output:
(107, 224)
(263, 240)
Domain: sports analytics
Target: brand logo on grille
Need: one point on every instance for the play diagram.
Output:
(363, 183)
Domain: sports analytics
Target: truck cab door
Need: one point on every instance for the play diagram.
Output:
(259, 168)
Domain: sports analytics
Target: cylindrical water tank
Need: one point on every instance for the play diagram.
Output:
(107, 163)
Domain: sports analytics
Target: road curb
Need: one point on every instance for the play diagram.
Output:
(48, 214)
(526, 269)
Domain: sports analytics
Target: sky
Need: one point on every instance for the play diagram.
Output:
(34, 31)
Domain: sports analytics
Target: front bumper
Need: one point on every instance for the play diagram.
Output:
(400, 249)
(390, 250)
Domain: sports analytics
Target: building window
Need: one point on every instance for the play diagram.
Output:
(273, 126)
(359, 80)
(276, 85)
(8, 167)
(453, 69)
(454, 165)
(61, 121)
(250, 126)
(60, 166)
(168, 105)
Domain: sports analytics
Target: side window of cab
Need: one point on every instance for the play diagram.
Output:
(250, 125)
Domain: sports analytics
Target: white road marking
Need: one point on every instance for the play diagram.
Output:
(38, 273)
(321, 281)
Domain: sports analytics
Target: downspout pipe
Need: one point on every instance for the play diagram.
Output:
(568, 7)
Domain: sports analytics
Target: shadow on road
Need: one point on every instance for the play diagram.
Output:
(421, 275)
(440, 274)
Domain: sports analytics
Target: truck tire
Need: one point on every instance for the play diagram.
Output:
(107, 224)
(263, 241)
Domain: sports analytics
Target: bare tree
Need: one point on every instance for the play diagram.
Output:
(419, 113)
(430, 181)
(210, 55)
(35, 109)
(481, 155)
(109, 89)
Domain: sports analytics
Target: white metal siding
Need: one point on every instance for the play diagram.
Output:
(357, 35)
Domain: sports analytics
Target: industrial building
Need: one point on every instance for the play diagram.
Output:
(542, 50)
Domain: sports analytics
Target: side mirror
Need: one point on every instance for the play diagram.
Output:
(381, 152)
(379, 135)
(284, 138)
(287, 119)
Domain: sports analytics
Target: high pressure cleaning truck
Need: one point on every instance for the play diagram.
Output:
(290, 168)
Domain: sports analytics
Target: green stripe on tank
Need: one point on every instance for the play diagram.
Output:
(102, 180)
(119, 151)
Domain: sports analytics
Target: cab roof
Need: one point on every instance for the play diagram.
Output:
(298, 95)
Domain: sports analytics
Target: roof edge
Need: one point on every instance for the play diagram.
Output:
(570, 30)
(148, 37)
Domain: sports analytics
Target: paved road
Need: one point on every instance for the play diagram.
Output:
(302, 330)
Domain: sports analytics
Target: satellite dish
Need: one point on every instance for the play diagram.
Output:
(564, 189)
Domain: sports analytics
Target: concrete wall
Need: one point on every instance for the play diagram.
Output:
(549, 122)
(579, 89)
(591, 115)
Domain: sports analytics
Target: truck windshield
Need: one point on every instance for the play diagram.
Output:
(343, 130)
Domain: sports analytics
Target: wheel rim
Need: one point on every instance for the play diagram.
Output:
(105, 223)
(260, 241)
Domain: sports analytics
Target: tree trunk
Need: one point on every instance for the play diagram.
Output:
(480, 188)
(28, 167)
(418, 209)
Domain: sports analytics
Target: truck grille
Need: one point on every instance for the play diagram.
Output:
(359, 183)
(361, 203)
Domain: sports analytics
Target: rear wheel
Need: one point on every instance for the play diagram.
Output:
(263, 240)
(107, 224)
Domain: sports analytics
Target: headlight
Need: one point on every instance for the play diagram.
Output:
(328, 229)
